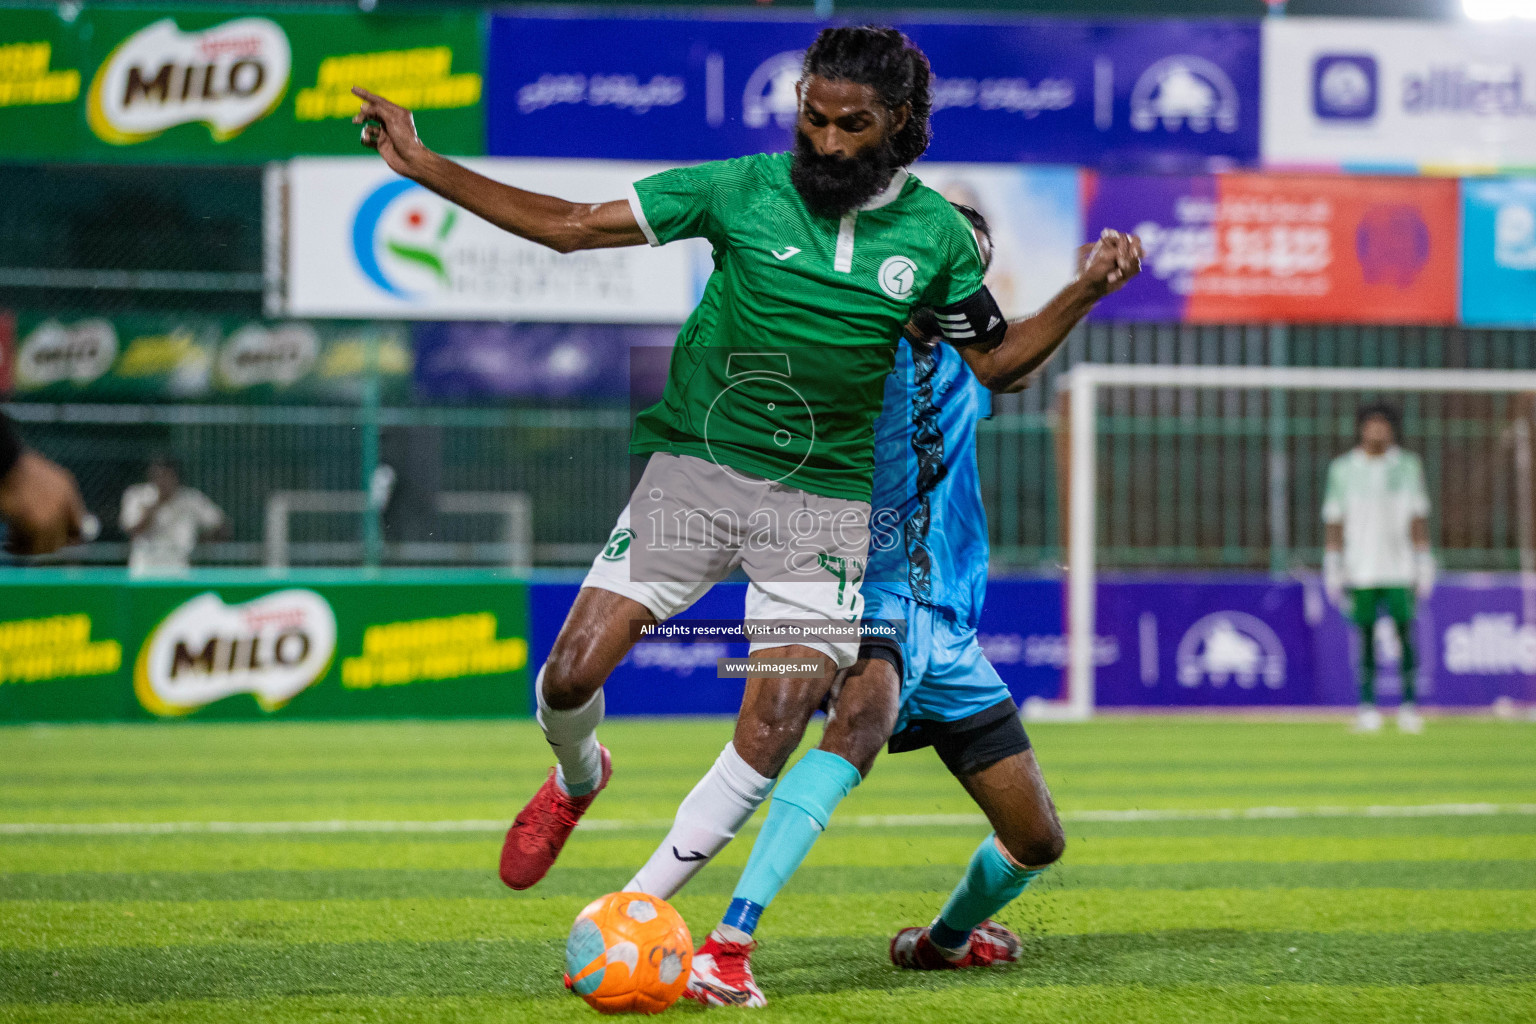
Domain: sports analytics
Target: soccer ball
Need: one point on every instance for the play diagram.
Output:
(628, 953)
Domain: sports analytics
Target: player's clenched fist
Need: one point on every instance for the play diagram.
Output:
(390, 129)
(1108, 263)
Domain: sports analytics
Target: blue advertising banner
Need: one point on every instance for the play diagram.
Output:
(1498, 251)
(674, 677)
(1172, 642)
(1154, 95)
(1205, 642)
(465, 360)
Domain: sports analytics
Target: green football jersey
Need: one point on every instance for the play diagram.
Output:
(780, 370)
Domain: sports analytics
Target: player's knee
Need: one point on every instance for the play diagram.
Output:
(1036, 847)
(570, 677)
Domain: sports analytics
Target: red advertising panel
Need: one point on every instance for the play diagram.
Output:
(1237, 248)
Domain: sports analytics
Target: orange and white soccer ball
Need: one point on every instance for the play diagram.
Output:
(628, 953)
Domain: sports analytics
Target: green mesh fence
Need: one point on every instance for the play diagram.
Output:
(1188, 479)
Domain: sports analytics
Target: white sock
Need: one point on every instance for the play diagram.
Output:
(707, 819)
(730, 933)
(573, 737)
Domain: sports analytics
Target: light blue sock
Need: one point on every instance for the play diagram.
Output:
(799, 811)
(991, 882)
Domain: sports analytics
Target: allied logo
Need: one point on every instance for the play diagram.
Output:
(769, 97)
(1491, 644)
(1231, 647)
(618, 544)
(273, 648)
(898, 276)
(1184, 91)
(227, 77)
(54, 352)
(1344, 87)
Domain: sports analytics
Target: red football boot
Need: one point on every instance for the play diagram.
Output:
(991, 943)
(722, 975)
(539, 833)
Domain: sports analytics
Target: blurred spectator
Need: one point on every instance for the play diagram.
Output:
(39, 502)
(165, 520)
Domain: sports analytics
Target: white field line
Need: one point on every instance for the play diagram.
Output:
(154, 828)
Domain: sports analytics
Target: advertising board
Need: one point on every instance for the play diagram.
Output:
(207, 85)
(1498, 251)
(1283, 247)
(1155, 93)
(234, 646)
(173, 357)
(363, 242)
(1441, 96)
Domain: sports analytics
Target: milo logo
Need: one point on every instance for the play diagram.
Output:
(272, 648)
(226, 77)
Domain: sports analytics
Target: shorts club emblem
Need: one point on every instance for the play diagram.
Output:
(618, 544)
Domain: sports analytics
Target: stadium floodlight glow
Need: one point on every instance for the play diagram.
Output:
(1082, 385)
(1497, 10)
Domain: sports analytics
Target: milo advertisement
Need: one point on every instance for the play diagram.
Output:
(314, 646)
(171, 357)
(210, 84)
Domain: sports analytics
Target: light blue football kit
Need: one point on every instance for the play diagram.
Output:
(928, 569)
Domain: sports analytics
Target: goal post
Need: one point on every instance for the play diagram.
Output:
(1085, 383)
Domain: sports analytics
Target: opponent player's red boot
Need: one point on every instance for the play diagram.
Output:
(722, 975)
(539, 833)
(991, 943)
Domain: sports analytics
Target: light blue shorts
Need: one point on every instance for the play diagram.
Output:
(945, 676)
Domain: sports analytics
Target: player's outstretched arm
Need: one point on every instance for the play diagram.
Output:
(561, 225)
(1105, 267)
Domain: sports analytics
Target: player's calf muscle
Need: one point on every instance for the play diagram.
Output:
(864, 715)
(1013, 795)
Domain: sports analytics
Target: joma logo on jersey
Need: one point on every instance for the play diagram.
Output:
(618, 544)
(897, 277)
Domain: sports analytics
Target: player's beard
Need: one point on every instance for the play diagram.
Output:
(830, 185)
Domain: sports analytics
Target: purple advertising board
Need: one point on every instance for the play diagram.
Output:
(1154, 95)
(461, 360)
(1162, 642)
(668, 678)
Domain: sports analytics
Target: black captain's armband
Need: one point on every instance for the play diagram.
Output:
(973, 321)
(10, 446)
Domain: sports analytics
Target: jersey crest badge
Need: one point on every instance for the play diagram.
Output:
(897, 277)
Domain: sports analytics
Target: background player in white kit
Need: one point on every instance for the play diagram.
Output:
(165, 519)
(1376, 556)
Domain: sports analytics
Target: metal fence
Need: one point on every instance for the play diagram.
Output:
(1209, 480)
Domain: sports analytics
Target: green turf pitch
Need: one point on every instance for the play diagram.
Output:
(1259, 887)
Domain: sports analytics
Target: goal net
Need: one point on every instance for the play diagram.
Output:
(1191, 500)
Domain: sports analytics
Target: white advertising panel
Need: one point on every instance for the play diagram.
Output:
(1436, 96)
(1035, 217)
(365, 243)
